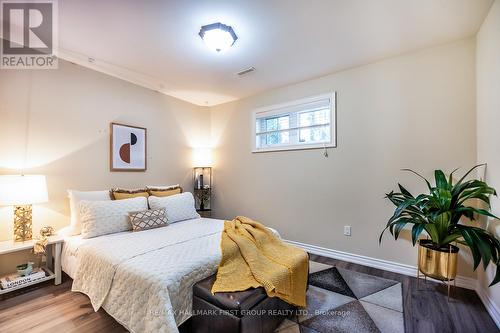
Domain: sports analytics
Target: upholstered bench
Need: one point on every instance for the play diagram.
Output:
(250, 311)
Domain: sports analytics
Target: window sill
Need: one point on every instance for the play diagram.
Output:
(300, 147)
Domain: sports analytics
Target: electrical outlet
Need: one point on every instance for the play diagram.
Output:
(347, 230)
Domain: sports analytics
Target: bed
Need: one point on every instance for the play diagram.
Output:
(144, 279)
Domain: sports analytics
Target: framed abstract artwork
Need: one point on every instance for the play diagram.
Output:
(128, 148)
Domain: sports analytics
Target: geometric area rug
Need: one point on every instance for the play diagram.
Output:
(341, 300)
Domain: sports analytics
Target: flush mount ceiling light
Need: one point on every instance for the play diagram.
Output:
(218, 36)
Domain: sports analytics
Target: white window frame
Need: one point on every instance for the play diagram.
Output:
(277, 110)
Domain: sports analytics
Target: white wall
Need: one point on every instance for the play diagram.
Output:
(56, 123)
(488, 122)
(416, 110)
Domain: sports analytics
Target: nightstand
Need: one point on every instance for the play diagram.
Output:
(205, 212)
(53, 251)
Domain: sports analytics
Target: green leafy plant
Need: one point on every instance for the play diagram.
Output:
(439, 214)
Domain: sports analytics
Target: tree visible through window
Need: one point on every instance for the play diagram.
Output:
(315, 126)
(302, 124)
(275, 126)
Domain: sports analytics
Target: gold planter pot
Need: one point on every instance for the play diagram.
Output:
(440, 264)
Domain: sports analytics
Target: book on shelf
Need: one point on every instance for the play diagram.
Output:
(15, 280)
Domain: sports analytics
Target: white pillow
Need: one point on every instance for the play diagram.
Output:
(179, 207)
(74, 199)
(108, 217)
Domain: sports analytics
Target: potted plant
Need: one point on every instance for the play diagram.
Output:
(203, 195)
(439, 214)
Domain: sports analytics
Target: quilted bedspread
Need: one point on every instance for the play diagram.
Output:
(144, 279)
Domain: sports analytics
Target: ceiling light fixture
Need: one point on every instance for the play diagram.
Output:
(218, 36)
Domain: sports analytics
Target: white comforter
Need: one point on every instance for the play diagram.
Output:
(145, 279)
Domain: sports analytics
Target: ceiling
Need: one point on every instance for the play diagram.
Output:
(155, 43)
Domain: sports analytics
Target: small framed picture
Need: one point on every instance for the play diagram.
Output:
(128, 148)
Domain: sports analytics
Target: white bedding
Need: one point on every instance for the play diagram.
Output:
(145, 279)
(69, 251)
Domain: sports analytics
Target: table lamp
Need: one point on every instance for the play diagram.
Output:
(22, 191)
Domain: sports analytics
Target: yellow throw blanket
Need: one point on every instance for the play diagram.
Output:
(253, 257)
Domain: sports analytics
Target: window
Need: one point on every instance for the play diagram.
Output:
(302, 124)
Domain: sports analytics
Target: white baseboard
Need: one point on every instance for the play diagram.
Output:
(490, 306)
(462, 281)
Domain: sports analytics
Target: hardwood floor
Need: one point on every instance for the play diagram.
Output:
(427, 309)
(49, 308)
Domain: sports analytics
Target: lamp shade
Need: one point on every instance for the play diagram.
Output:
(202, 157)
(23, 190)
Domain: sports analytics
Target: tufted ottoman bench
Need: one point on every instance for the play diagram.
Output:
(250, 311)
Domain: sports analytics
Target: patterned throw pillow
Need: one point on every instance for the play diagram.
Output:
(148, 219)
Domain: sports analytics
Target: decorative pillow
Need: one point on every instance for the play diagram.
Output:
(74, 199)
(148, 219)
(164, 191)
(120, 193)
(179, 207)
(108, 217)
(163, 187)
